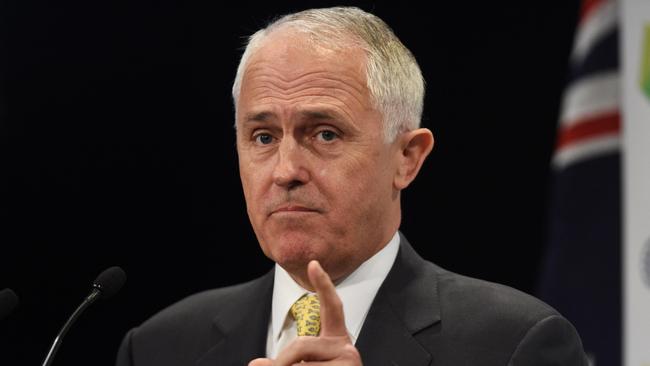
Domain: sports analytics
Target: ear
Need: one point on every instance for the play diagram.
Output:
(414, 147)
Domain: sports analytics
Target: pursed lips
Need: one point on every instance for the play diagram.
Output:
(292, 208)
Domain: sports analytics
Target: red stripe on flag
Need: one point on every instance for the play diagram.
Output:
(594, 126)
(587, 7)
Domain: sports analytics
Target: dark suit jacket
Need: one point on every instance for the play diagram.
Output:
(422, 315)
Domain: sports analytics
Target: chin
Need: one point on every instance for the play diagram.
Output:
(293, 251)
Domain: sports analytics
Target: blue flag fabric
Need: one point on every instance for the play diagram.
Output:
(581, 273)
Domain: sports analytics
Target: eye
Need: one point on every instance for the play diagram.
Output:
(327, 135)
(263, 138)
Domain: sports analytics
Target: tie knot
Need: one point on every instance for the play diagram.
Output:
(306, 312)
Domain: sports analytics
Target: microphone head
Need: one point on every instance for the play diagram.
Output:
(8, 301)
(110, 281)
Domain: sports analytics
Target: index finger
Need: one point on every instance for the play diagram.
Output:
(332, 319)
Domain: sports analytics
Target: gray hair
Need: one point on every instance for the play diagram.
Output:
(393, 76)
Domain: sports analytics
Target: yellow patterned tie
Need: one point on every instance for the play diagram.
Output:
(306, 312)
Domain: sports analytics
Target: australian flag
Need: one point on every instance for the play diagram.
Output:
(581, 273)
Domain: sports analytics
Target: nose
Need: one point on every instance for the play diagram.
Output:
(290, 170)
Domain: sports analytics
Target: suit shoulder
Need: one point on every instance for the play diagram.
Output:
(183, 332)
(497, 324)
(201, 307)
(490, 302)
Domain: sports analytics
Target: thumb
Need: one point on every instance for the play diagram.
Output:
(261, 362)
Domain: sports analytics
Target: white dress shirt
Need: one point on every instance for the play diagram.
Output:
(357, 291)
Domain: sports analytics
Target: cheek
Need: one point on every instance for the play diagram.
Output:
(253, 176)
(244, 176)
(374, 185)
(356, 186)
(252, 180)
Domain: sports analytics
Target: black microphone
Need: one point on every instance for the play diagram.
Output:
(107, 284)
(8, 301)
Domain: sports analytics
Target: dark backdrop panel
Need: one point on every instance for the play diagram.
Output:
(118, 149)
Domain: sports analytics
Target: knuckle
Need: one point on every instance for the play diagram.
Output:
(257, 362)
(303, 342)
(299, 342)
(351, 352)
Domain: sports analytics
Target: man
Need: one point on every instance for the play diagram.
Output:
(328, 105)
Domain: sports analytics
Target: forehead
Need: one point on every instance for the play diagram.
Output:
(286, 58)
(289, 45)
(289, 75)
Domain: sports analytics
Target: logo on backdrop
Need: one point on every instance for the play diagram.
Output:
(645, 264)
(645, 62)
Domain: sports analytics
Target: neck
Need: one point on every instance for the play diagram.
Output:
(303, 279)
(337, 274)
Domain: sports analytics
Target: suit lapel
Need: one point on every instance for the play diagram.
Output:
(240, 328)
(406, 303)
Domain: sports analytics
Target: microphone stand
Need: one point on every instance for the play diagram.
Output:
(94, 295)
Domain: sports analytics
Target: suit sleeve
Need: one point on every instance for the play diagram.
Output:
(551, 341)
(124, 355)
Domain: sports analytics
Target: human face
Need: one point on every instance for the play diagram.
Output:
(316, 173)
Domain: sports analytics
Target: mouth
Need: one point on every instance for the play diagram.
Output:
(293, 209)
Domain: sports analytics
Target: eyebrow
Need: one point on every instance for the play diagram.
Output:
(258, 117)
(319, 114)
(315, 114)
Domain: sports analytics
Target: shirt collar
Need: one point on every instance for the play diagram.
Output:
(357, 291)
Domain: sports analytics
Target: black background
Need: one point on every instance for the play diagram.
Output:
(118, 149)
